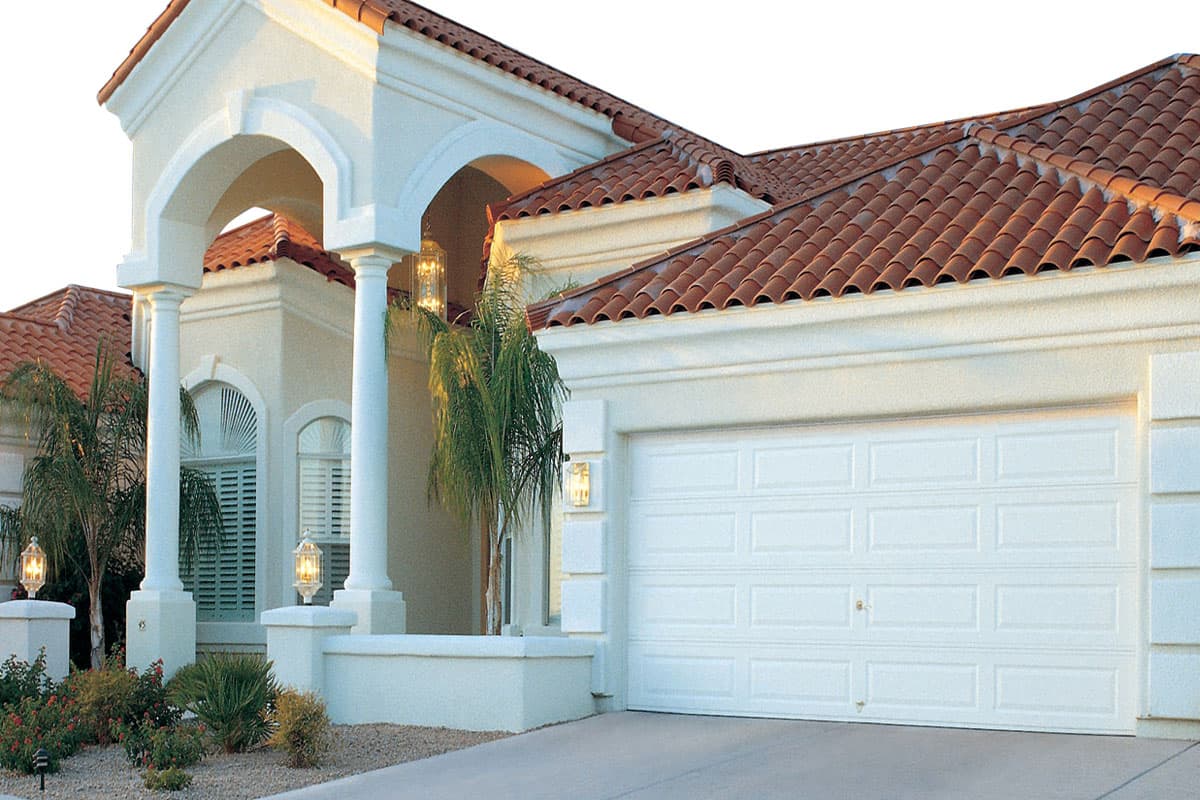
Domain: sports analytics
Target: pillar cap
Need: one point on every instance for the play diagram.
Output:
(309, 617)
(36, 609)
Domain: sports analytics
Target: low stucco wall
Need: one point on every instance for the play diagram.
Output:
(467, 682)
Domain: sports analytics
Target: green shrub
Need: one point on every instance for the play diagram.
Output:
(113, 697)
(301, 727)
(171, 779)
(154, 747)
(105, 698)
(21, 679)
(230, 693)
(34, 722)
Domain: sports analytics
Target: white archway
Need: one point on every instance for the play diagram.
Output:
(250, 128)
(473, 143)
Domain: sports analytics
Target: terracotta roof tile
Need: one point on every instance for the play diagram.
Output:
(64, 329)
(273, 237)
(1109, 176)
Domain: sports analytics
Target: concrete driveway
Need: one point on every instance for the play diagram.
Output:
(636, 755)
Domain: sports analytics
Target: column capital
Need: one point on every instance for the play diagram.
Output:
(372, 255)
(164, 294)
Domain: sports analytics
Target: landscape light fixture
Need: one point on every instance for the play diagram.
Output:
(308, 568)
(33, 567)
(41, 763)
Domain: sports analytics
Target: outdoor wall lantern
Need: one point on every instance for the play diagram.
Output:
(33, 567)
(579, 483)
(308, 568)
(429, 277)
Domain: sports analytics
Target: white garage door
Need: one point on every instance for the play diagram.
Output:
(977, 571)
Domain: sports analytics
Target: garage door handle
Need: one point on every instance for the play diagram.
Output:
(861, 606)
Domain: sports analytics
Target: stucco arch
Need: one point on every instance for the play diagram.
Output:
(481, 143)
(177, 211)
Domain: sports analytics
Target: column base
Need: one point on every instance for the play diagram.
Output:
(379, 611)
(160, 624)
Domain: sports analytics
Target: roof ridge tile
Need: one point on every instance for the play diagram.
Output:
(1137, 192)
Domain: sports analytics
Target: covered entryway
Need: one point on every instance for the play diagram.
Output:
(974, 571)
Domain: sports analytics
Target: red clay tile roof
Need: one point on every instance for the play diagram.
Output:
(273, 237)
(678, 161)
(270, 238)
(64, 328)
(1110, 176)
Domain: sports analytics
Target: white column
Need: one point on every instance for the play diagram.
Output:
(161, 617)
(368, 589)
(162, 446)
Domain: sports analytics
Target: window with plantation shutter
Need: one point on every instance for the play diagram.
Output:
(324, 463)
(222, 579)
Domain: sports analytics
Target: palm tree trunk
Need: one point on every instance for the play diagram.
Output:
(495, 612)
(96, 622)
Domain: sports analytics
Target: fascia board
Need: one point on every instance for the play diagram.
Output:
(1139, 302)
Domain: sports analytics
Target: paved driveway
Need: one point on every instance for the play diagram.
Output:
(636, 755)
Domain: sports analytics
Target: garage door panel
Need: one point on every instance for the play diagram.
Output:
(925, 463)
(804, 468)
(915, 609)
(995, 560)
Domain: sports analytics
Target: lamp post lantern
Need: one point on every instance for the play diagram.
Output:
(33, 567)
(308, 568)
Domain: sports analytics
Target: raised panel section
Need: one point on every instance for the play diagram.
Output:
(1057, 609)
(1058, 526)
(916, 530)
(1057, 456)
(800, 680)
(701, 605)
(666, 676)
(818, 531)
(682, 533)
(925, 462)
(804, 468)
(669, 475)
(921, 685)
(1057, 690)
(800, 607)
(923, 608)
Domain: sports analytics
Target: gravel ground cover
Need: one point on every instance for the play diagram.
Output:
(104, 772)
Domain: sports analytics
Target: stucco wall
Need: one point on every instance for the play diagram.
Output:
(285, 332)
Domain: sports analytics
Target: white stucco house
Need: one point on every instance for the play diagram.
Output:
(897, 428)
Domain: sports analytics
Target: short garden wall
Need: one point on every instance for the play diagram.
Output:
(470, 682)
(507, 683)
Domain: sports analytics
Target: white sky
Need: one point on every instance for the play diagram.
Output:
(751, 74)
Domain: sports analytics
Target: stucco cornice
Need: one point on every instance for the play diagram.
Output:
(1142, 302)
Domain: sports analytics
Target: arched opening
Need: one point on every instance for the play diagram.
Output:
(457, 220)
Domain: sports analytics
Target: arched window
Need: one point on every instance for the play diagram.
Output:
(222, 581)
(324, 460)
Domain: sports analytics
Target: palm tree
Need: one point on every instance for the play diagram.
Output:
(497, 449)
(84, 492)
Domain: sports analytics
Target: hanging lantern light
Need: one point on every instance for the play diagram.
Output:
(308, 568)
(429, 276)
(33, 567)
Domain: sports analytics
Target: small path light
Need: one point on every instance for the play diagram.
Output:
(41, 763)
(308, 568)
(33, 567)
